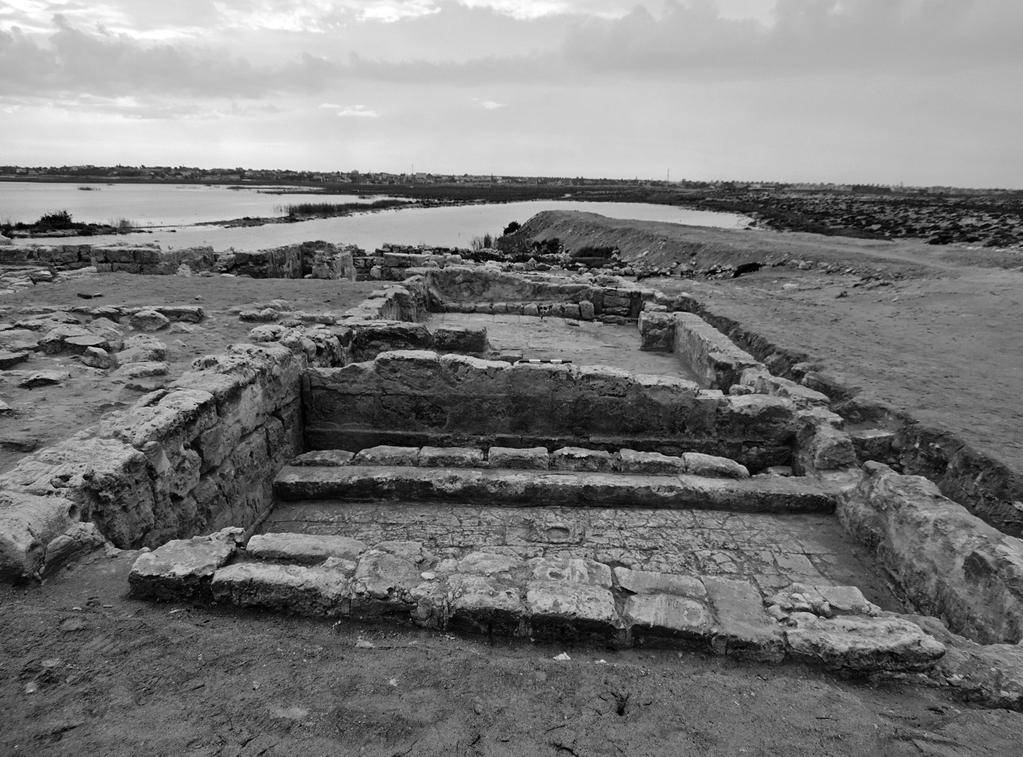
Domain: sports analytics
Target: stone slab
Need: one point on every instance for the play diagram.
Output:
(299, 589)
(182, 569)
(502, 486)
(862, 644)
(303, 549)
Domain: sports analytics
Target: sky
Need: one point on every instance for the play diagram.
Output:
(922, 92)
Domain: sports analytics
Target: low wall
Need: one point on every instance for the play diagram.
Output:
(420, 397)
(452, 287)
(949, 563)
(319, 260)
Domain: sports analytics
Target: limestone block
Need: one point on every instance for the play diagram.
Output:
(667, 616)
(385, 454)
(862, 644)
(78, 540)
(467, 339)
(604, 380)
(137, 370)
(304, 549)
(10, 359)
(821, 447)
(182, 569)
(383, 576)
(55, 340)
(451, 457)
(581, 459)
(320, 590)
(528, 458)
(586, 310)
(96, 357)
(142, 348)
(698, 464)
(743, 629)
(657, 331)
(571, 569)
(490, 564)
(563, 609)
(186, 313)
(148, 320)
(649, 582)
(631, 461)
(28, 524)
(325, 457)
(484, 605)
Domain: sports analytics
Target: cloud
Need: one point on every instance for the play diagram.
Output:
(352, 112)
(490, 104)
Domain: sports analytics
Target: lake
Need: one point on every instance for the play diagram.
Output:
(181, 206)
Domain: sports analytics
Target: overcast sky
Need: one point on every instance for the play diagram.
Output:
(880, 91)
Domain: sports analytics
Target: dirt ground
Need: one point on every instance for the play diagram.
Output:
(47, 414)
(947, 347)
(83, 669)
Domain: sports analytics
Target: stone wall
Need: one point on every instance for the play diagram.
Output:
(196, 456)
(949, 563)
(313, 259)
(420, 397)
(453, 287)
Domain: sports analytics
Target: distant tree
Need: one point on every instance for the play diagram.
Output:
(511, 228)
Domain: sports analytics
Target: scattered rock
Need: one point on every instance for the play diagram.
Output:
(95, 357)
(43, 378)
(11, 359)
(147, 320)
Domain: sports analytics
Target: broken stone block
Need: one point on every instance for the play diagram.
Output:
(78, 540)
(586, 311)
(142, 348)
(862, 644)
(447, 339)
(653, 617)
(43, 378)
(11, 359)
(96, 357)
(698, 464)
(321, 590)
(325, 457)
(182, 569)
(55, 340)
(187, 313)
(148, 320)
(649, 582)
(384, 576)
(386, 454)
(483, 605)
(657, 331)
(821, 447)
(140, 370)
(451, 457)
(743, 629)
(528, 458)
(654, 463)
(568, 610)
(28, 524)
(581, 459)
(303, 549)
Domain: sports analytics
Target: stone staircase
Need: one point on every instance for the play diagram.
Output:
(575, 545)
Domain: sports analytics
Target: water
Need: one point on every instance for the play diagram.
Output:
(181, 205)
(148, 204)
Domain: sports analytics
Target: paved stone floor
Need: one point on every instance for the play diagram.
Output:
(773, 550)
(582, 342)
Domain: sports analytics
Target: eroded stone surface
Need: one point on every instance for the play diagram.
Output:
(862, 643)
(182, 569)
(303, 548)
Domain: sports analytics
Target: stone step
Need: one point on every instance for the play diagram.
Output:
(542, 598)
(532, 458)
(503, 486)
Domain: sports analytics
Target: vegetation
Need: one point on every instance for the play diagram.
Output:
(330, 209)
(486, 242)
(61, 223)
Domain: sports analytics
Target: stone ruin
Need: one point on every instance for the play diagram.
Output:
(387, 465)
